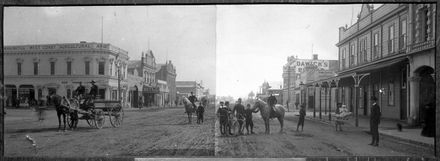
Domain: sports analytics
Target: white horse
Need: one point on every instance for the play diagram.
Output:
(189, 108)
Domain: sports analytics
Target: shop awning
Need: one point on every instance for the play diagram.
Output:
(375, 66)
(381, 65)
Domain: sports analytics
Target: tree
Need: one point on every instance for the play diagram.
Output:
(251, 95)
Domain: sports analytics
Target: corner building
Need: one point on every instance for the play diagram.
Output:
(388, 53)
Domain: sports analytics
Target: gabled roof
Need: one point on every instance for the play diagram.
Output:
(365, 11)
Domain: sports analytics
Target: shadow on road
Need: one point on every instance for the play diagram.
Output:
(55, 129)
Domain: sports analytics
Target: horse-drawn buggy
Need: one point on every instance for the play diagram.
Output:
(93, 111)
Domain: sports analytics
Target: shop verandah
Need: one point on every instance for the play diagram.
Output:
(400, 98)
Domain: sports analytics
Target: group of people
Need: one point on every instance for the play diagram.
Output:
(240, 113)
(200, 110)
(80, 92)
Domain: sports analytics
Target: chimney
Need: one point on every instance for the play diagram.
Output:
(315, 56)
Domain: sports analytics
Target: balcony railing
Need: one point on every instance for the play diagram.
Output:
(416, 47)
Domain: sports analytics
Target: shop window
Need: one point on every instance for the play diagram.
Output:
(18, 68)
(35, 68)
(69, 68)
(391, 93)
(40, 93)
(101, 68)
(52, 68)
(87, 67)
(101, 93)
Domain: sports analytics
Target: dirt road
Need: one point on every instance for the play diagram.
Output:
(146, 132)
(166, 132)
(317, 139)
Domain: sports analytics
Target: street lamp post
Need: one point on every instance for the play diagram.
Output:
(118, 65)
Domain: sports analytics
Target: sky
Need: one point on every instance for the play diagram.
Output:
(254, 41)
(233, 49)
(185, 35)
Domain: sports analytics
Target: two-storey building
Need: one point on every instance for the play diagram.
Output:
(146, 69)
(167, 72)
(32, 71)
(388, 53)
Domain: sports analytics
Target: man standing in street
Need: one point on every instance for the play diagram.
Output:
(239, 114)
(272, 101)
(374, 122)
(302, 115)
(248, 114)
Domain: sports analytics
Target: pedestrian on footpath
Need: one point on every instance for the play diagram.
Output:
(302, 115)
(374, 122)
(429, 124)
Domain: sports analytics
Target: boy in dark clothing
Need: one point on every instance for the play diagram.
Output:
(248, 116)
(200, 111)
(302, 115)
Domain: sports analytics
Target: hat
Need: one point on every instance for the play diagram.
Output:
(93, 81)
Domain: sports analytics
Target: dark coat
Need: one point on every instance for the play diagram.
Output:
(192, 98)
(80, 90)
(272, 100)
(240, 111)
(200, 110)
(375, 115)
(93, 91)
(302, 113)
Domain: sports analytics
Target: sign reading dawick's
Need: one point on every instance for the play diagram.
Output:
(302, 63)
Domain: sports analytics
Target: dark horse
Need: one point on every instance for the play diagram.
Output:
(266, 115)
(62, 110)
(189, 108)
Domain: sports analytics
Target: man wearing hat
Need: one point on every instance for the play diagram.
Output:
(374, 122)
(92, 95)
(302, 115)
(93, 90)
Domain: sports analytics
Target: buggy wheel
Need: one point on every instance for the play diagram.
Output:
(69, 120)
(116, 116)
(99, 119)
(91, 122)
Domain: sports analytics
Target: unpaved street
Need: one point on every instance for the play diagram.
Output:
(159, 132)
(317, 139)
(166, 132)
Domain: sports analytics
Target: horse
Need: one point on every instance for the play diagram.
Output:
(189, 108)
(265, 112)
(62, 110)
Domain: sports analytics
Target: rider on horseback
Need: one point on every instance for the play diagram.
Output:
(193, 99)
(272, 101)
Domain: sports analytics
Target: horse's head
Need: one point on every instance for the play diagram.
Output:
(258, 104)
(185, 100)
